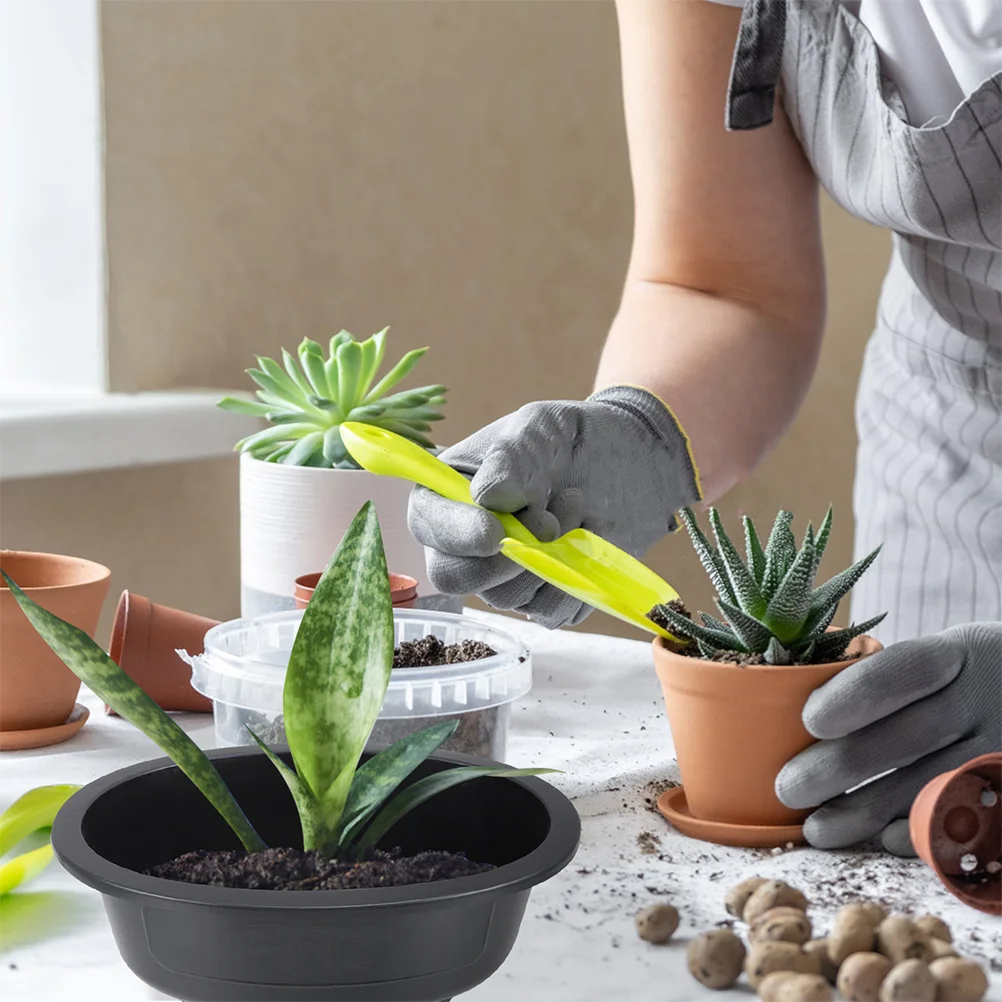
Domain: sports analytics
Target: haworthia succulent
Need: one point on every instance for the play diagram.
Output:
(682, 627)
(97, 671)
(791, 602)
(776, 552)
(837, 587)
(824, 533)
(708, 556)
(776, 653)
(754, 636)
(754, 551)
(832, 646)
(743, 582)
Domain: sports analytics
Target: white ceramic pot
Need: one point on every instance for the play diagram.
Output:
(292, 518)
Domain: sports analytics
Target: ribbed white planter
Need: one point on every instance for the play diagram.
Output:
(292, 518)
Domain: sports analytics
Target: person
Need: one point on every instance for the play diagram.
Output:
(733, 119)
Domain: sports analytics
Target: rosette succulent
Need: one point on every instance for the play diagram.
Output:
(768, 600)
(306, 401)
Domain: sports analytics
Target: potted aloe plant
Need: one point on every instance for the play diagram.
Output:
(735, 686)
(400, 874)
(299, 487)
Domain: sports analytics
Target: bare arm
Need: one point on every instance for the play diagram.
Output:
(723, 306)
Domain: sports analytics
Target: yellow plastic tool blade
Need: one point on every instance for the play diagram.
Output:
(545, 561)
(23, 868)
(391, 455)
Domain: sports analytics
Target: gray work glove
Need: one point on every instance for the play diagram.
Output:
(920, 707)
(617, 464)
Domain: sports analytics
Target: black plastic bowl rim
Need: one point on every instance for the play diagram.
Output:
(89, 867)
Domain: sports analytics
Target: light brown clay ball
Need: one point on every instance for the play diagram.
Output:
(772, 894)
(934, 926)
(768, 989)
(657, 923)
(898, 939)
(940, 948)
(797, 988)
(861, 975)
(772, 955)
(874, 913)
(738, 895)
(909, 981)
(852, 932)
(819, 948)
(790, 925)
(715, 958)
(958, 980)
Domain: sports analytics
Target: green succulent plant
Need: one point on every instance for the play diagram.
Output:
(768, 599)
(307, 401)
(337, 677)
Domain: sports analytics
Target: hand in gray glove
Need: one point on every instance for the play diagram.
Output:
(617, 464)
(920, 707)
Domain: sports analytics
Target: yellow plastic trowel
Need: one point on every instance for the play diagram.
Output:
(579, 563)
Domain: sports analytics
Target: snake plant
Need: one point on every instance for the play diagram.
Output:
(337, 677)
(768, 600)
(306, 401)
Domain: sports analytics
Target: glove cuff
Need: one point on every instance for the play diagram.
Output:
(660, 421)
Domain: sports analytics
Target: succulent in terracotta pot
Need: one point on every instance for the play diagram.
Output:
(735, 685)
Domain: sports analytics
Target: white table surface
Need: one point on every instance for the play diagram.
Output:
(596, 712)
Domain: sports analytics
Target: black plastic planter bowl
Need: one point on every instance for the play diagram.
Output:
(420, 943)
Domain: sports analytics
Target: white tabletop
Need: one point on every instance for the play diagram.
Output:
(596, 712)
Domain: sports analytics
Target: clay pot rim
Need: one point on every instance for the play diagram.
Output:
(398, 582)
(868, 646)
(140, 619)
(98, 572)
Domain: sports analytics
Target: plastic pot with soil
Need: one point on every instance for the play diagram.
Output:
(329, 873)
(735, 686)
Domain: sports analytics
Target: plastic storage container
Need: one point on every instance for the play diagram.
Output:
(242, 670)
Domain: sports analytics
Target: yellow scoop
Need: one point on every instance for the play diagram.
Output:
(579, 563)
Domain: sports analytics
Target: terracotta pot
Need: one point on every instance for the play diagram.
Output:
(403, 590)
(735, 727)
(144, 644)
(956, 827)
(39, 691)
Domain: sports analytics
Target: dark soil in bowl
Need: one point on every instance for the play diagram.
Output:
(296, 870)
(431, 651)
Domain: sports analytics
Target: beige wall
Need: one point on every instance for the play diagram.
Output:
(457, 170)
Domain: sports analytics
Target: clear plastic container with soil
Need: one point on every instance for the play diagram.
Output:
(446, 666)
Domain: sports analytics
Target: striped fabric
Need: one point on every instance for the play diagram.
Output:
(929, 408)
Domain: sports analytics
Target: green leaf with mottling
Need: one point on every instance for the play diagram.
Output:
(99, 673)
(778, 555)
(424, 789)
(708, 556)
(831, 647)
(836, 588)
(743, 584)
(340, 667)
(824, 533)
(776, 653)
(680, 626)
(376, 779)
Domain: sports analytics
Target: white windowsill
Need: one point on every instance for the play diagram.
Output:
(44, 436)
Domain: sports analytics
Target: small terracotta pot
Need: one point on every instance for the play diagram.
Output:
(38, 690)
(959, 814)
(403, 590)
(144, 643)
(735, 727)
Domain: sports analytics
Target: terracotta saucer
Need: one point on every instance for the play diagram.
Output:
(42, 736)
(673, 807)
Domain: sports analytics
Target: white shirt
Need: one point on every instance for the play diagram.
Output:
(937, 52)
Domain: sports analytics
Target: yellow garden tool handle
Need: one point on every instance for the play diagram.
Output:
(391, 455)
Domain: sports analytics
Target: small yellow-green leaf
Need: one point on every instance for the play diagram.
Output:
(23, 868)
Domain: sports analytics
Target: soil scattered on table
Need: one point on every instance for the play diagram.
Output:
(653, 790)
(431, 651)
(649, 843)
(295, 870)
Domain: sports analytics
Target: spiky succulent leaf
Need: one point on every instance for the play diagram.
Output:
(100, 674)
(743, 584)
(753, 635)
(790, 604)
(824, 533)
(832, 646)
(780, 552)
(706, 650)
(835, 588)
(339, 669)
(753, 550)
(708, 557)
(683, 627)
(818, 620)
(313, 394)
(777, 654)
(713, 623)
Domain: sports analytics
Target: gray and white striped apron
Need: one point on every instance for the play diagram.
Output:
(929, 408)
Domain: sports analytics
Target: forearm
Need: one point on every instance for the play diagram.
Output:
(733, 375)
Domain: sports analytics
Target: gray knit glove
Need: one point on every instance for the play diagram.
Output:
(617, 464)
(920, 707)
